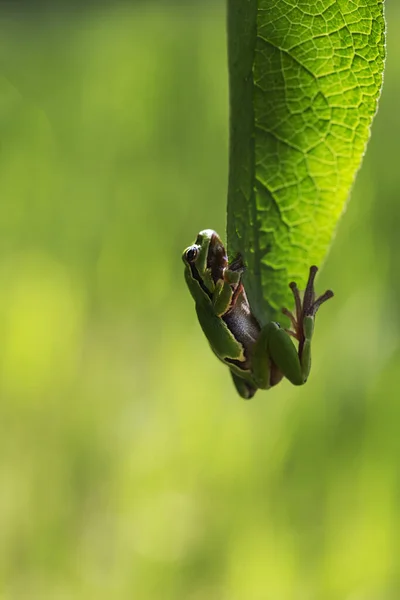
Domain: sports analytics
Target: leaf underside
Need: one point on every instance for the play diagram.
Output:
(305, 77)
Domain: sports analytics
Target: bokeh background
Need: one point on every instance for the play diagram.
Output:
(129, 468)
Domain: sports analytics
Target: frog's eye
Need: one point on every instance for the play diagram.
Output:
(191, 253)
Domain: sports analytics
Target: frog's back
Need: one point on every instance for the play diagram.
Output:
(221, 340)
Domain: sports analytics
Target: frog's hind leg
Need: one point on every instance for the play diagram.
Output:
(302, 321)
(244, 388)
(284, 354)
(275, 356)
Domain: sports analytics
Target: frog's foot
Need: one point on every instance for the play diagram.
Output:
(237, 264)
(234, 271)
(306, 308)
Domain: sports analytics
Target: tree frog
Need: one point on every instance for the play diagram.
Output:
(258, 357)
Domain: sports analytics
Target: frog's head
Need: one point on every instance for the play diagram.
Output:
(205, 261)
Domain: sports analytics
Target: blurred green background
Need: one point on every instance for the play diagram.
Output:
(129, 467)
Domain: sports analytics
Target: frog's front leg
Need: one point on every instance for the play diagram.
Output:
(226, 290)
(221, 297)
(274, 348)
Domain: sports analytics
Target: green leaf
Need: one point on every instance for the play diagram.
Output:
(305, 77)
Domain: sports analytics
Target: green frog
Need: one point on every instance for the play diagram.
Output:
(257, 357)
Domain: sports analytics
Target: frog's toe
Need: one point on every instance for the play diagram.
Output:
(244, 388)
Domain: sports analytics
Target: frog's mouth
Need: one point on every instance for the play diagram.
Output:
(196, 276)
(217, 260)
